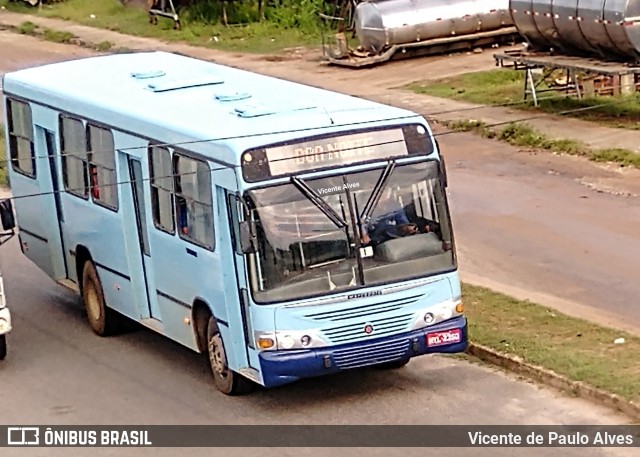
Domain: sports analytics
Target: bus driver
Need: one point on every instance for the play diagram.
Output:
(393, 223)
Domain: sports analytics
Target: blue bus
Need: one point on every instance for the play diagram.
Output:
(283, 230)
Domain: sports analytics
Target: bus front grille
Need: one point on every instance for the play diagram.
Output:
(369, 329)
(369, 309)
(370, 354)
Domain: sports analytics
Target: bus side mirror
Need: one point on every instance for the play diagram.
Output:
(248, 239)
(6, 215)
(443, 172)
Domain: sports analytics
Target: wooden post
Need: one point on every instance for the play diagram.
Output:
(627, 84)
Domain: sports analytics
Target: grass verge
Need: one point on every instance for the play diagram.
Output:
(577, 349)
(260, 37)
(503, 86)
(521, 134)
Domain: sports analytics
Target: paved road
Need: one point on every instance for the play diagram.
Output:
(59, 372)
(522, 220)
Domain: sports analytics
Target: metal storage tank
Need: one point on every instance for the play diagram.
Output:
(384, 23)
(608, 28)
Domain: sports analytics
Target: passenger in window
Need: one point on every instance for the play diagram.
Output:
(183, 216)
(93, 176)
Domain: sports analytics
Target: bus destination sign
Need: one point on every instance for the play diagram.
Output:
(335, 151)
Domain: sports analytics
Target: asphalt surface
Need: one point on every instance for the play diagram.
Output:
(58, 372)
(516, 224)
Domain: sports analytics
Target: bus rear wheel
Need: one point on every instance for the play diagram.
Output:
(226, 381)
(3, 347)
(103, 321)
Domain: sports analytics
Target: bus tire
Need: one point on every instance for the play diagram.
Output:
(3, 347)
(103, 320)
(226, 381)
(395, 365)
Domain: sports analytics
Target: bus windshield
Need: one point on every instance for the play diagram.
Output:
(347, 231)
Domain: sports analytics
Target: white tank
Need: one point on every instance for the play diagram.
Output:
(384, 23)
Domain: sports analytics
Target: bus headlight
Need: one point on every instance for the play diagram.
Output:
(429, 318)
(293, 339)
(286, 341)
(438, 313)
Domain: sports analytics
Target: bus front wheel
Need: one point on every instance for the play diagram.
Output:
(3, 346)
(103, 321)
(226, 381)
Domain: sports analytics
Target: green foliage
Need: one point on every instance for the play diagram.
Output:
(201, 22)
(300, 14)
(57, 36)
(27, 28)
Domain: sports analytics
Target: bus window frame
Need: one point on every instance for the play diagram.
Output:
(12, 134)
(151, 146)
(64, 154)
(177, 153)
(90, 163)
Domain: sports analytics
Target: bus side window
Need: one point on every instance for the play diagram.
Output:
(162, 188)
(73, 149)
(103, 181)
(194, 200)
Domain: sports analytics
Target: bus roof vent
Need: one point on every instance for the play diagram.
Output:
(231, 95)
(256, 110)
(174, 84)
(147, 74)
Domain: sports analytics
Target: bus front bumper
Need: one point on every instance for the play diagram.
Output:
(5, 321)
(286, 366)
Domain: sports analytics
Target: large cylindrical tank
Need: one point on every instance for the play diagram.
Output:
(607, 28)
(383, 23)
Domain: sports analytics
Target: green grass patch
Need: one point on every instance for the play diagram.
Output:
(575, 348)
(267, 36)
(27, 28)
(505, 87)
(523, 135)
(58, 36)
(3, 159)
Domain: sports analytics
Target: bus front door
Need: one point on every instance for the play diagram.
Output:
(136, 175)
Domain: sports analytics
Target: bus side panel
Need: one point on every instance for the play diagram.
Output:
(37, 215)
(100, 231)
(184, 272)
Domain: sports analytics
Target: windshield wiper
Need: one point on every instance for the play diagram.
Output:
(377, 191)
(317, 200)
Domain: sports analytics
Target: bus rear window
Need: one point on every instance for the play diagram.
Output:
(21, 138)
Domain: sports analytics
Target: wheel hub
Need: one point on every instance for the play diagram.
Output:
(217, 356)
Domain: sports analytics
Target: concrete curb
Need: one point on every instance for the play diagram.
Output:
(549, 378)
